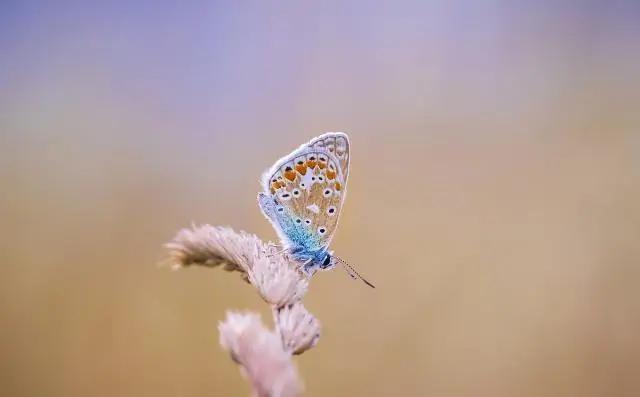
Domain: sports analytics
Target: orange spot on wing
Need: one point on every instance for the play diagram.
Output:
(322, 165)
(338, 186)
(290, 175)
(301, 169)
(311, 163)
(331, 174)
(275, 185)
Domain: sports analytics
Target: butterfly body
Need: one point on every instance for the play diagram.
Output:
(302, 197)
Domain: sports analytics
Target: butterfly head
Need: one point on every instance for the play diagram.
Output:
(314, 261)
(328, 262)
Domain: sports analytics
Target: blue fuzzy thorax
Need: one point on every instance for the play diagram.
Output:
(312, 259)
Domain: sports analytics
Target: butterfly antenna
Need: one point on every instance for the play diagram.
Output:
(353, 273)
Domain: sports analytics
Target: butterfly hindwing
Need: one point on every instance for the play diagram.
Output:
(305, 190)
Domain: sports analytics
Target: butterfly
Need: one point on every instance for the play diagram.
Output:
(302, 197)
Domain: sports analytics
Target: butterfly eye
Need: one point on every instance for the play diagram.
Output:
(322, 230)
(326, 262)
(331, 210)
(326, 193)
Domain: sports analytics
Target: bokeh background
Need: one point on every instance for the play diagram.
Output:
(494, 195)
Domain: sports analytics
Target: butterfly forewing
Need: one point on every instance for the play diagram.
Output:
(310, 184)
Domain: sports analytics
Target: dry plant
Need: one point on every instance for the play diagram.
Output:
(264, 356)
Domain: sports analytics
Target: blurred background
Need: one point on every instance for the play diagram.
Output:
(494, 196)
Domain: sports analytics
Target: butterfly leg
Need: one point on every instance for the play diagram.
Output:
(309, 267)
(279, 252)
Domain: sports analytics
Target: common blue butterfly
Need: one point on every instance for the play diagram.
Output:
(302, 197)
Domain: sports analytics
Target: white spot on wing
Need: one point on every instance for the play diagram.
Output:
(308, 180)
(313, 208)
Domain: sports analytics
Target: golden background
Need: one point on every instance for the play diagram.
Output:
(494, 196)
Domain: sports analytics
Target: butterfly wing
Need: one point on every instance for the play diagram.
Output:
(305, 190)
